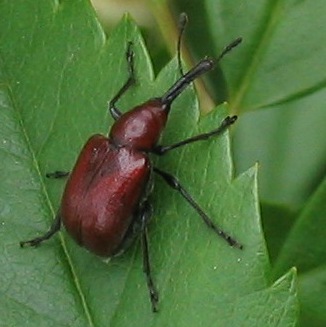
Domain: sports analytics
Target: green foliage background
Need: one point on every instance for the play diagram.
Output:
(57, 72)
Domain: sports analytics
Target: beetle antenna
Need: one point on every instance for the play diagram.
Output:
(228, 48)
(183, 20)
(201, 68)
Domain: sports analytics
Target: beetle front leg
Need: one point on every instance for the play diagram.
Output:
(145, 216)
(160, 150)
(114, 111)
(55, 227)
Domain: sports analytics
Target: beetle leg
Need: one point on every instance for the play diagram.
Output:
(114, 111)
(145, 216)
(161, 149)
(55, 227)
(175, 184)
(183, 20)
(57, 174)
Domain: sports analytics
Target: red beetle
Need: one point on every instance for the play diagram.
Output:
(104, 205)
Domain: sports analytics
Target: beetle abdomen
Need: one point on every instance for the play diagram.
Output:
(102, 194)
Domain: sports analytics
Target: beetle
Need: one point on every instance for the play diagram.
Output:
(105, 203)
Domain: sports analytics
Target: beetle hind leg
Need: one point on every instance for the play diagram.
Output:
(138, 227)
(153, 293)
(55, 227)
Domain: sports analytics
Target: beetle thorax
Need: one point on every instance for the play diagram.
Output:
(141, 127)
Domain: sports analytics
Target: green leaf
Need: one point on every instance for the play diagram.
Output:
(263, 74)
(288, 142)
(58, 71)
(278, 69)
(277, 222)
(306, 248)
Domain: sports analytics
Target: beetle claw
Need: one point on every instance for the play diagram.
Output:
(154, 300)
(34, 243)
